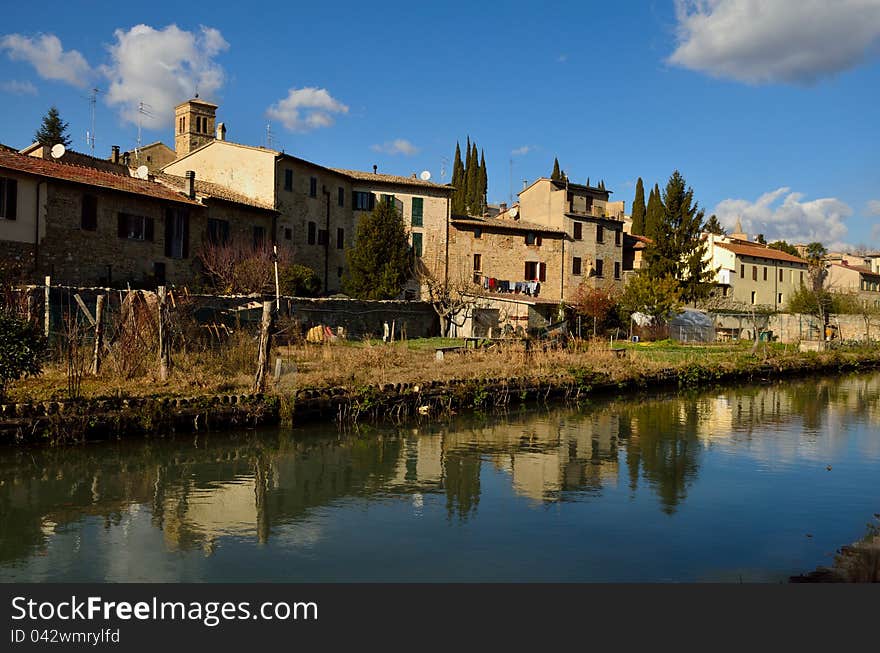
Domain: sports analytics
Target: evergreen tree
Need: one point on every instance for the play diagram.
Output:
(556, 175)
(53, 130)
(472, 172)
(602, 185)
(458, 182)
(652, 213)
(484, 182)
(588, 181)
(381, 262)
(783, 246)
(712, 226)
(638, 210)
(677, 249)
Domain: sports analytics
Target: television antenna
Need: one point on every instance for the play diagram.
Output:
(268, 135)
(144, 109)
(425, 175)
(90, 133)
(444, 163)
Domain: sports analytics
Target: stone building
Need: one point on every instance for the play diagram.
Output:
(318, 207)
(155, 156)
(84, 225)
(858, 280)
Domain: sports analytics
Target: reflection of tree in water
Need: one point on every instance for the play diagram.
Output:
(461, 482)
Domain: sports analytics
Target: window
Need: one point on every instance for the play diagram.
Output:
(780, 276)
(388, 199)
(362, 201)
(180, 125)
(600, 234)
(478, 233)
(779, 298)
(533, 239)
(218, 231)
(340, 238)
(176, 233)
(576, 265)
(8, 198)
(754, 295)
(578, 231)
(765, 273)
(418, 205)
(754, 273)
(288, 233)
(340, 196)
(259, 237)
(617, 269)
(89, 217)
(288, 179)
(742, 271)
(159, 273)
(478, 262)
(535, 271)
(417, 244)
(313, 230)
(600, 267)
(313, 187)
(617, 237)
(323, 237)
(134, 227)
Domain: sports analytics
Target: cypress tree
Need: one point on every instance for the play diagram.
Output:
(53, 130)
(652, 215)
(676, 249)
(458, 182)
(380, 263)
(472, 171)
(638, 210)
(484, 182)
(556, 175)
(588, 181)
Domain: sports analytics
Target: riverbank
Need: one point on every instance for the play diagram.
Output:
(373, 381)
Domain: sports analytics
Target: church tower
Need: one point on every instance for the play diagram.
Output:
(193, 125)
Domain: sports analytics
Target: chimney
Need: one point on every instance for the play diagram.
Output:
(115, 156)
(375, 168)
(502, 207)
(221, 131)
(191, 184)
(125, 158)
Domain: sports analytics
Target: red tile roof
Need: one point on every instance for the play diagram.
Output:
(216, 191)
(90, 176)
(759, 251)
(858, 268)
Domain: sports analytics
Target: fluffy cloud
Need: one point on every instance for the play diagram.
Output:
(782, 215)
(162, 68)
(305, 109)
(397, 146)
(520, 151)
(763, 41)
(18, 88)
(47, 56)
(874, 208)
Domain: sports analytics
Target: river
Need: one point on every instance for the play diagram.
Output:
(751, 484)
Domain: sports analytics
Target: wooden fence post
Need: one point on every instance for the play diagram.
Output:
(46, 307)
(164, 340)
(31, 306)
(99, 335)
(265, 348)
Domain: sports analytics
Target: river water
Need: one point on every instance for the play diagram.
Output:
(752, 483)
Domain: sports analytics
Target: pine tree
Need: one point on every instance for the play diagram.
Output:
(53, 130)
(556, 175)
(380, 263)
(638, 210)
(712, 226)
(484, 182)
(458, 182)
(677, 249)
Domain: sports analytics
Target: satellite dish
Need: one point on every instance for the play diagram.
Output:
(425, 175)
(58, 150)
(142, 172)
(513, 212)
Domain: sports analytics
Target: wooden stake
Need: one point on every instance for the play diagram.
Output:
(264, 348)
(164, 344)
(99, 335)
(46, 308)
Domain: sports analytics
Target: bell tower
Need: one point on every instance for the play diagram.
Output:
(193, 125)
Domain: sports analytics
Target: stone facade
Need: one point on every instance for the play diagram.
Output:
(860, 281)
(193, 125)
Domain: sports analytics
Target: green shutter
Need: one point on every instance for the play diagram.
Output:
(417, 244)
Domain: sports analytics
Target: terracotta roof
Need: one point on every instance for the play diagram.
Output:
(215, 191)
(858, 268)
(635, 241)
(505, 223)
(359, 175)
(759, 251)
(90, 177)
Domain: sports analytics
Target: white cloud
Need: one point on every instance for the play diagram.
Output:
(45, 53)
(520, 151)
(765, 41)
(397, 146)
(162, 68)
(562, 58)
(16, 87)
(782, 215)
(874, 208)
(305, 109)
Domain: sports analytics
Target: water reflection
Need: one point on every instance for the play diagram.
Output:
(255, 488)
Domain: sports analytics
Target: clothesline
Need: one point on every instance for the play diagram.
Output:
(531, 288)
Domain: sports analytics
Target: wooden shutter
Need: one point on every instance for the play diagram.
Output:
(148, 229)
(542, 271)
(169, 232)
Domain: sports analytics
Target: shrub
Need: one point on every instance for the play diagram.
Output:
(21, 349)
(299, 281)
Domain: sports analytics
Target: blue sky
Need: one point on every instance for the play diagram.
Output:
(768, 108)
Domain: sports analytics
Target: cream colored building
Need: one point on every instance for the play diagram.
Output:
(855, 279)
(751, 274)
